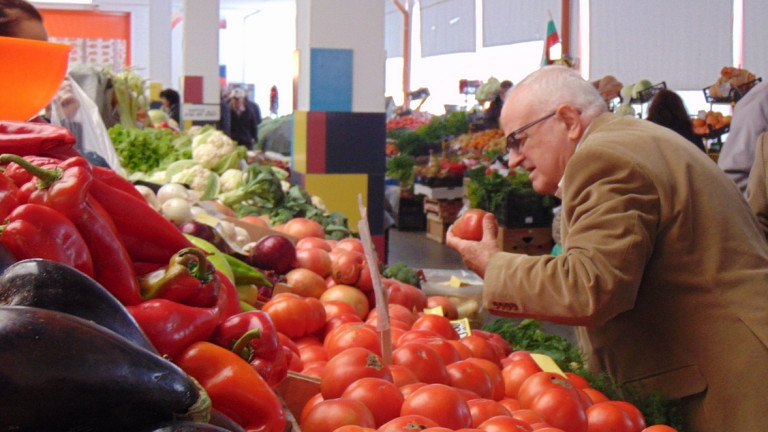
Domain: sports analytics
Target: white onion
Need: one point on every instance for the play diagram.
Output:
(177, 210)
(172, 190)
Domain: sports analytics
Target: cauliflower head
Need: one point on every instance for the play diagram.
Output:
(210, 147)
(231, 179)
(198, 178)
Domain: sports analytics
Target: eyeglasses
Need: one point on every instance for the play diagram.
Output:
(513, 142)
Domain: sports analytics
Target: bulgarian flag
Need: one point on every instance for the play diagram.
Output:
(550, 41)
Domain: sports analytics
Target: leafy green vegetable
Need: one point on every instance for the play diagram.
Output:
(401, 168)
(404, 273)
(148, 150)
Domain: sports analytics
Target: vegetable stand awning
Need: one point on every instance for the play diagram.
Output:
(755, 35)
(508, 22)
(684, 44)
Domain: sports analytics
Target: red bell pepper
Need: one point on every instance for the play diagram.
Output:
(8, 196)
(147, 235)
(65, 189)
(189, 279)
(234, 387)
(172, 326)
(36, 231)
(20, 176)
(274, 371)
(248, 334)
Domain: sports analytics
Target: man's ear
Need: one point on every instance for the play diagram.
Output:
(572, 118)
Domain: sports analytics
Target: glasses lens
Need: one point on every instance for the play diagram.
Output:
(512, 142)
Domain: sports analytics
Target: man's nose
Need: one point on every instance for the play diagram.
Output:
(515, 159)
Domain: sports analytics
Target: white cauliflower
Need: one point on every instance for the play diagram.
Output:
(210, 147)
(197, 177)
(231, 179)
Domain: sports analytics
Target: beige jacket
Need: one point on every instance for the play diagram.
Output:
(757, 185)
(665, 267)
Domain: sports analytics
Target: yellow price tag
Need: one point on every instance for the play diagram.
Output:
(462, 327)
(437, 310)
(546, 363)
(455, 282)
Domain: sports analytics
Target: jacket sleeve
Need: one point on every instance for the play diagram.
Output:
(757, 186)
(610, 213)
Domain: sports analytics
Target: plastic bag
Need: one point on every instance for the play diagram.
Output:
(73, 109)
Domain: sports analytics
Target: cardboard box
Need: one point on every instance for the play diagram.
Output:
(530, 241)
(445, 208)
(437, 227)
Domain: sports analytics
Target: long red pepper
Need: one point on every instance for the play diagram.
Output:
(25, 138)
(65, 189)
(37, 231)
(147, 235)
(115, 180)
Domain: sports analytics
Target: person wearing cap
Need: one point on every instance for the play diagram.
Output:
(245, 117)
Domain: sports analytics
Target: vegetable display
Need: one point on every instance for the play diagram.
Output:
(165, 330)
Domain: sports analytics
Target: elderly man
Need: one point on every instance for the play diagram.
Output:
(664, 268)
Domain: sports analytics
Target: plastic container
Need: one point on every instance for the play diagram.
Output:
(31, 72)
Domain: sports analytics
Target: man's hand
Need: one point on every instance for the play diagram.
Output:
(477, 254)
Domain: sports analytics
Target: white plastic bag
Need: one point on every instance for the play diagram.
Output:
(73, 109)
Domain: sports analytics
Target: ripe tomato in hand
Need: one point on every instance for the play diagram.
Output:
(470, 225)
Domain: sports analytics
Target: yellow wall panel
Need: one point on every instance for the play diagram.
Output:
(339, 192)
(300, 141)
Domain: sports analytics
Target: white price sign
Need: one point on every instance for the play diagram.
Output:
(201, 112)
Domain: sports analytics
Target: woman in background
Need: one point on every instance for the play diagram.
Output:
(667, 109)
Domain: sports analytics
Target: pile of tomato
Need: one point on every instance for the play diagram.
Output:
(435, 379)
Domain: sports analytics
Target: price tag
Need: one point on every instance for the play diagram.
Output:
(455, 282)
(546, 363)
(462, 327)
(207, 219)
(437, 310)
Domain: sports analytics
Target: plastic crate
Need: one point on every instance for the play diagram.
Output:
(529, 210)
(437, 227)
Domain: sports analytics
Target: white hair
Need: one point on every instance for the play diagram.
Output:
(552, 86)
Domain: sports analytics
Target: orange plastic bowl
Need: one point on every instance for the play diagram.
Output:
(31, 72)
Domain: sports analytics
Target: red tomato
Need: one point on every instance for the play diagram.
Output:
(314, 369)
(437, 323)
(397, 312)
(516, 373)
(410, 388)
(470, 225)
(351, 243)
(437, 429)
(382, 397)
(338, 320)
(401, 375)
(638, 420)
(505, 424)
(480, 347)
(354, 428)
(348, 294)
(510, 404)
(447, 351)
(560, 407)
(349, 366)
(538, 382)
(605, 417)
(311, 402)
(449, 308)
(316, 315)
(289, 313)
(312, 353)
(331, 414)
(577, 380)
(526, 415)
(337, 307)
(463, 350)
(516, 355)
(659, 428)
(503, 347)
(315, 260)
(494, 373)
(467, 375)
(483, 409)
(407, 423)
(413, 335)
(441, 403)
(596, 396)
(354, 335)
(424, 361)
